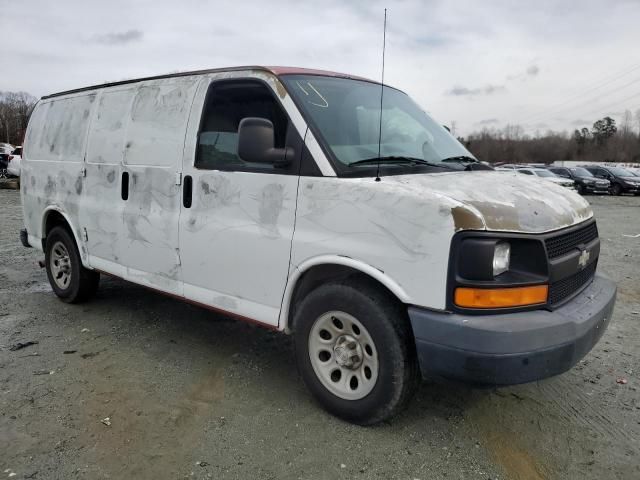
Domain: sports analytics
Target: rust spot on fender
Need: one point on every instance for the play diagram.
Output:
(466, 219)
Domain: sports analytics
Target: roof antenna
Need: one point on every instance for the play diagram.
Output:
(384, 44)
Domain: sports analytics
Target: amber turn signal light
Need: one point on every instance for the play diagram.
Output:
(501, 297)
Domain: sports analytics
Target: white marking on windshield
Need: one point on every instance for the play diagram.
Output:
(326, 104)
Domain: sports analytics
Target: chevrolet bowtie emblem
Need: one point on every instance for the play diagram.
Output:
(583, 259)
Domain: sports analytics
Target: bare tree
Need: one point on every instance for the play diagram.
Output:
(604, 142)
(15, 109)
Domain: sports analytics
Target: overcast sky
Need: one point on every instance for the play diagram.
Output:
(542, 64)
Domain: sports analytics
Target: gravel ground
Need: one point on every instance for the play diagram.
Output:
(191, 394)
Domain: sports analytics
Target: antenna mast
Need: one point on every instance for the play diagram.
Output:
(384, 44)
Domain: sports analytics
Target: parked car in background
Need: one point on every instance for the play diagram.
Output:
(508, 166)
(584, 180)
(467, 163)
(5, 150)
(622, 181)
(547, 175)
(15, 159)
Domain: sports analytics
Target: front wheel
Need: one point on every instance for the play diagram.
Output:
(355, 351)
(70, 281)
(616, 189)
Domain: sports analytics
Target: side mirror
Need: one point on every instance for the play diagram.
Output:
(256, 143)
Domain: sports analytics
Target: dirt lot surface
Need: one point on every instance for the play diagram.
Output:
(190, 394)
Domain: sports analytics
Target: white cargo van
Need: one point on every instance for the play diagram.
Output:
(270, 194)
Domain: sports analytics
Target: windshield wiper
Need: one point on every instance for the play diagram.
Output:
(461, 158)
(397, 160)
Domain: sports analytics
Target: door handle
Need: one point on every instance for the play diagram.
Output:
(187, 191)
(124, 186)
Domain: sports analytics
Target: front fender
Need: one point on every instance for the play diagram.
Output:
(365, 268)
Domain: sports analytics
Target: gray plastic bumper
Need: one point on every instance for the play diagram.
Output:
(516, 347)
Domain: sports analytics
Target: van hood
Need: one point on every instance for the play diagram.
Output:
(500, 202)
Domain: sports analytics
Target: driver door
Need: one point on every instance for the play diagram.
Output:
(237, 218)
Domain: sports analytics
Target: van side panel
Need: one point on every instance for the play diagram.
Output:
(153, 151)
(52, 169)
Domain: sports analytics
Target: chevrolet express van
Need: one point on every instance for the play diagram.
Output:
(291, 198)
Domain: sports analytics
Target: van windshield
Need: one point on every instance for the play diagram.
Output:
(346, 115)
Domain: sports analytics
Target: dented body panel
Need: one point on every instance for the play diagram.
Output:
(248, 238)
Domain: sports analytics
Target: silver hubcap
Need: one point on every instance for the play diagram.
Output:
(343, 355)
(60, 265)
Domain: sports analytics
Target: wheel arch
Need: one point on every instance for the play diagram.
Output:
(315, 271)
(54, 216)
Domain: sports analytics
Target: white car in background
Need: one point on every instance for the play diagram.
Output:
(5, 151)
(547, 175)
(15, 159)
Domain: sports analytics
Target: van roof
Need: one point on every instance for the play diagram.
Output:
(276, 70)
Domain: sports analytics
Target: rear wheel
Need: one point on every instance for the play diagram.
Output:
(70, 281)
(355, 351)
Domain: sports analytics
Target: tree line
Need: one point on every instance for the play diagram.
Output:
(15, 108)
(605, 141)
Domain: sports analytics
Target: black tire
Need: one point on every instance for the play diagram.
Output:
(82, 282)
(580, 188)
(616, 189)
(388, 326)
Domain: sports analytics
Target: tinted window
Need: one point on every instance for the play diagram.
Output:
(581, 172)
(544, 173)
(560, 171)
(526, 172)
(620, 172)
(227, 104)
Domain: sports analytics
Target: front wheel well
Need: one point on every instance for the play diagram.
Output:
(320, 274)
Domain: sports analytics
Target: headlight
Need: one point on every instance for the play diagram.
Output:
(589, 181)
(501, 258)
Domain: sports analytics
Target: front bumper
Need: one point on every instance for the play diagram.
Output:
(595, 189)
(507, 349)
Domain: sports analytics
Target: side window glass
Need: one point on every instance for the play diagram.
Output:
(226, 105)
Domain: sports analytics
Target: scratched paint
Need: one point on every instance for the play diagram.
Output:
(247, 233)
